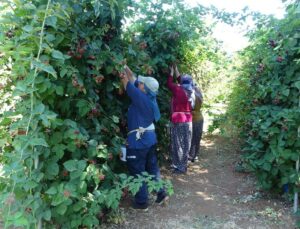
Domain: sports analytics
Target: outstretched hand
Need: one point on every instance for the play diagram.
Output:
(176, 71)
(128, 70)
(129, 74)
(122, 75)
(124, 78)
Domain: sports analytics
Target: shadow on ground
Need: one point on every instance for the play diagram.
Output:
(212, 195)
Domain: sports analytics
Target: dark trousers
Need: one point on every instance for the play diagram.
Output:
(143, 160)
(196, 138)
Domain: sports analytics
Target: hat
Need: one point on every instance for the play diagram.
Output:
(150, 82)
(186, 79)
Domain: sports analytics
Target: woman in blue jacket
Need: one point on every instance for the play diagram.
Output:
(141, 140)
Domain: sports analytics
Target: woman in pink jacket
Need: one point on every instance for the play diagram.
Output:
(183, 99)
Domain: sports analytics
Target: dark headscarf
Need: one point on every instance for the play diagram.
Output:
(186, 82)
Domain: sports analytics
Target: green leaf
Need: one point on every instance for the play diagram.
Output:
(115, 119)
(75, 223)
(27, 28)
(46, 68)
(50, 37)
(75, 174)
(51, 191)
(297, 85)
(38, 142)
(286, 92)
(59, 149)
(61, 209)
(5, 121)
(269, 156)
(52, 169)
(81, 165)
(294, 156)
(22, 86)
(82, 187)
(70, 165)
(59, 90)
(47, 215)
(56, 138)
(267, 166)
(109, 69)
(131, 51)
(97, 7)
(286, 154)
(284, 180)
(29, 6)
(84, 107)
(274, 171)
(30, 185)
(123, 176)
(39, 109)
(79, 205)
(58, 199)
(70, 123)
(47, 117)
(22, 221)
(58, 55)
(51, 21)
(63, 72)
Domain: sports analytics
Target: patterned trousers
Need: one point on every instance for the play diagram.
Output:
(181, 136)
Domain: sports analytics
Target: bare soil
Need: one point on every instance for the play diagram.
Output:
(212, 195)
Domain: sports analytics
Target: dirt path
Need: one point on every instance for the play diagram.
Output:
(212, 195)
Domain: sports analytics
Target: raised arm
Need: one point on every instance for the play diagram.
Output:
(136, 95)
(177, 74)
(129, 74)
(124, 79)
(170, 84)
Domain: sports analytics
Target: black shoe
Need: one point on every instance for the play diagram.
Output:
(171, 167)
(196, 159)
(140, 207)
(162, 199)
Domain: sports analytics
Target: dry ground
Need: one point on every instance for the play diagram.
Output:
(213, 195)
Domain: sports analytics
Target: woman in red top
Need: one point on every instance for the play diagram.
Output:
(181, 121)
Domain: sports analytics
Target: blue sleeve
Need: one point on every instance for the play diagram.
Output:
(137, 97)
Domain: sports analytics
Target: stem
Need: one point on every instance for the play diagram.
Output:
(91, 104)
(31, 106)
(297, 170)
(296, 193)
(39, 226)
(35, 71)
